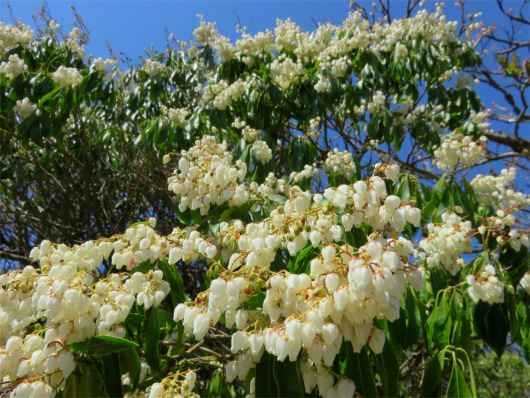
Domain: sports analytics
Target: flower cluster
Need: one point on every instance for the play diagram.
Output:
(322, 84)
(179, 385)
(67, 76)
(14, 67)
(458, 149)
(496, 191)
(284, 71)
(35, 355)
(101, 64)
(261, 151)
(308, 172)
(25, 108)
(221, 93)
(486, 286)
(313, 131)
(312, 313)
(271, 185)
(11, 35)
(175, 115)
(340, 162)
(205, 176)
(446, 242)
(208, 34)
(153, 68)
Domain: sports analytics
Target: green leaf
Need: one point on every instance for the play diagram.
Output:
(457, 384)
(152, 335)
(241, 212)
(280, 199)
(388, 368)
(413, 328)
(491, 324)
(255, 302)
(403, 190)
(129, 361)
(357, 367)
(173, 277)
(144, 267)
(266, 386)
(216, 383)
(111, 374)
(432, 378)
(300, 259)
(288, 379)
(89, 384)
(438, 189)
(184, 217)
(105, 345)
(49, 96)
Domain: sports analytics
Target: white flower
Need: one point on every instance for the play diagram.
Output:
(25, 108)
(67, 76)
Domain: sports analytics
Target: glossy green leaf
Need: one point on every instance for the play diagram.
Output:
(152, 335)
(129, 362)
(105, 345)
(173, 277)
(111, 374)
(358, 367)
(266, 386)
(388, 368)
(255, 302)
(432, 378)
(89, 384)
(288, 379)
(491, 323)
(458, 387)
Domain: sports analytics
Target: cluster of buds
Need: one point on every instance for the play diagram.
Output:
(205, 176)
(47, 357)
(175, 386)
(446, 242)
(340, 162)
(67, 77)
(486, 286)
(457, 149)
(496, 191)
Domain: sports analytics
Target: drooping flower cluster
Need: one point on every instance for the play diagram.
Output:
(25, 108)
(179, 385)
(284, 71)
(152, 68)
(175, 115)
(261, 151)
(486, 286)
(496, 191)
(206, 33)
(101, 64)
(446, 242)
(340, 162)
(309, 171)
(67, 76)
(14, 67)
(457, 149)
(11, 35)
(205, 176)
